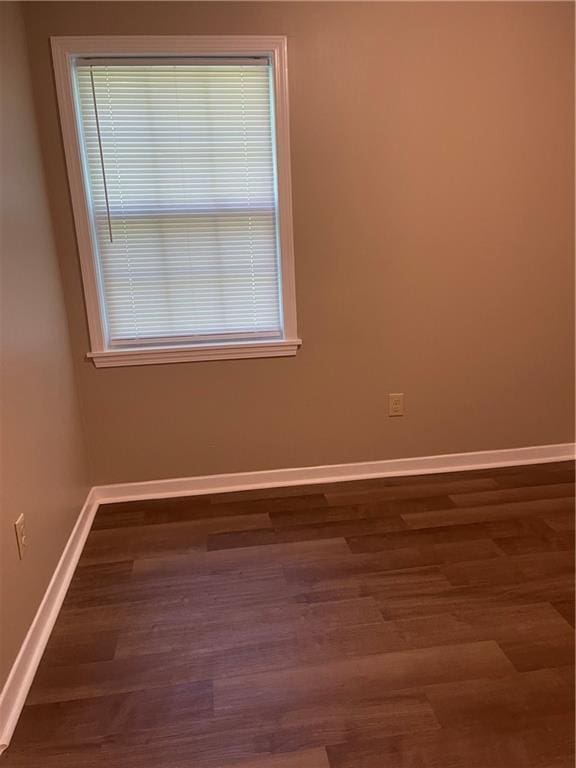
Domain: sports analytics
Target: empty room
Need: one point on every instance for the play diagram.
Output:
(287, 384)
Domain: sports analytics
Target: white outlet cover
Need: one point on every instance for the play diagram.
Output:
(396, 404)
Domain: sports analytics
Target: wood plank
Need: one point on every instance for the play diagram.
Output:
(199, 633)
(81, 647)
(532, 636)
(411, 490)
(530, 476)
(154, 670)
(362, 678)
(498, 530)
(514, 703)
(284, 533)
(521, 493)
(549, 744)
(117, 544)
(92, 718)
(459, 515)
(358, 565)
(510, 570)
(309, 758)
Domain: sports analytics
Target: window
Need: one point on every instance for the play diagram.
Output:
(178, 161)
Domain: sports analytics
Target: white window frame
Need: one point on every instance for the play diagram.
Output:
(64, 52)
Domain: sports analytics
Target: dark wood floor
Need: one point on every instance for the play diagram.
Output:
(422, 622)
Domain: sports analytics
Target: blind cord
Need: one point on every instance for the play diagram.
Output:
(101, 154)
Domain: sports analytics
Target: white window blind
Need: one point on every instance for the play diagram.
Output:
(179, 164)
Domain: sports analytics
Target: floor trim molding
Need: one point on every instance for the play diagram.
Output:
(271, 478)
(15, 690)
(21, 675)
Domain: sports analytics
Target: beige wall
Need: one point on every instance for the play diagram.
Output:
(42, 456)
(433, 169)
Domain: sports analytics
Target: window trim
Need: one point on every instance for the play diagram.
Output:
(64, 52)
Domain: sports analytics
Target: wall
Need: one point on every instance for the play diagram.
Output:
(433, 169)
(43, 468)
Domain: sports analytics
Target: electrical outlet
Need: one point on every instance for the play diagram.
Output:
(396, 404)
(21, 537)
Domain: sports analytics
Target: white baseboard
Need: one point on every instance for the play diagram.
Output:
(16, 688)
(332, 473)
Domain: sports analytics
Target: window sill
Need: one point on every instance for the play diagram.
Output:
(113, 358)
